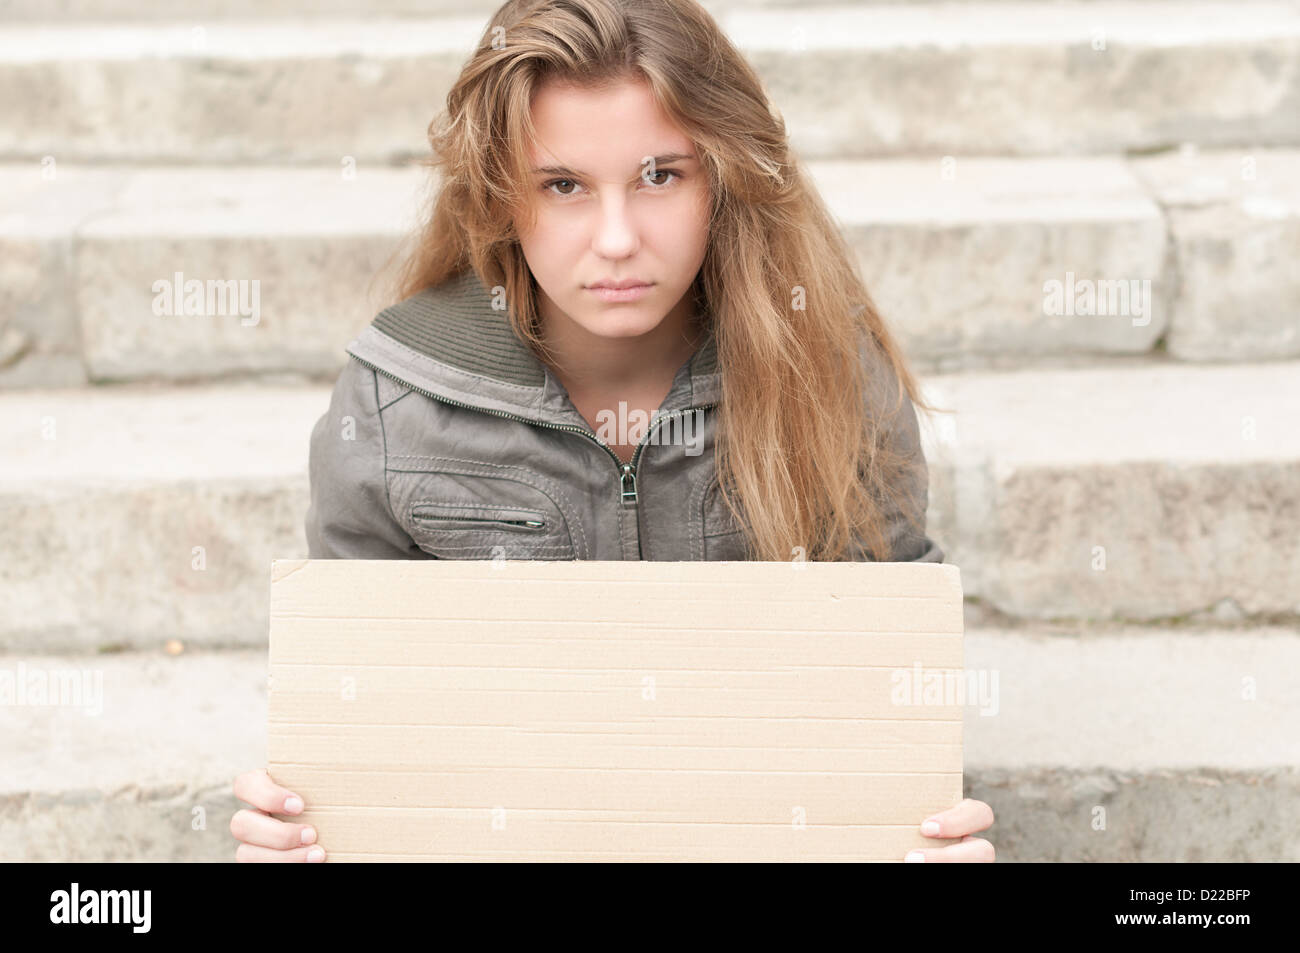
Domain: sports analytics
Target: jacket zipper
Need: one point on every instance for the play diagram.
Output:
(531, 524)
(627, 471)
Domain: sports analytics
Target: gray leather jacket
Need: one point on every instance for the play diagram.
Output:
(447, 438)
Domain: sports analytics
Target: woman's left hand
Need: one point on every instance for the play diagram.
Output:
(961, 821)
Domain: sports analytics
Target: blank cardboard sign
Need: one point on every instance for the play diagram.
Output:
(589, 710)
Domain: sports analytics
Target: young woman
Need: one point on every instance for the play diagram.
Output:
(630, 330)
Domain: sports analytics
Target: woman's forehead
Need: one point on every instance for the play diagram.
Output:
(602, 122)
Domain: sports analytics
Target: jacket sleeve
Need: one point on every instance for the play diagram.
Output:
(904, 524)
(350, 516)
(908, 541)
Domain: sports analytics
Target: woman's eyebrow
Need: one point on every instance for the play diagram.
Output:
(658, 161)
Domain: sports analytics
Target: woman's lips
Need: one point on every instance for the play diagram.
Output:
(615, 295)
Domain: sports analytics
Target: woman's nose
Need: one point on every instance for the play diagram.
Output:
(615, 230)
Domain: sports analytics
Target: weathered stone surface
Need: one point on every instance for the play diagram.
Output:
(1010, 78)
(136, 515)
(253, 270)
(1130, 491)
(148, 778)
(960, 256)
(1234, 219)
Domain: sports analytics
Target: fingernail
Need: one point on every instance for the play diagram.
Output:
(293, 804)
(315, 855)
(308, 835)
(915, 857)
(930, 828)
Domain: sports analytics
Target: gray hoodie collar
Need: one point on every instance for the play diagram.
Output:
(451, 343)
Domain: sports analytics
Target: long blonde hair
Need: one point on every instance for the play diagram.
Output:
(800, 458)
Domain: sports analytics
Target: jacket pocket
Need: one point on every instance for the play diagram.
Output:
(469, 510)
(461, 530)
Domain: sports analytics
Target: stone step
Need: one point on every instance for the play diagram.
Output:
(141, 766)
(1130, 744)
(134, 515)
(203, 10)
(197, 11)
(1145, 491)
(1137, 744)
(851, 81)
(86, 245)
(958, 257)
(1234, 227)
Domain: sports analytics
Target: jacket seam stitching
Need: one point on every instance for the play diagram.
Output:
(383, 437)
(698, 518)
(476, 506)
(406, 391)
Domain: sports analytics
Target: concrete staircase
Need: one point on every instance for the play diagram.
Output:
(1122, 490)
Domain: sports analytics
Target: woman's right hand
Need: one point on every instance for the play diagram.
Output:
(264, 838)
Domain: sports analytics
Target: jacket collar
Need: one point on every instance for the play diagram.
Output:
(449, 341)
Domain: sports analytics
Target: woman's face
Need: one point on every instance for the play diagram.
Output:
(615, 201)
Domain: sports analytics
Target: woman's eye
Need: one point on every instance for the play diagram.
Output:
(656, 186)
(673, 172)
(558, 182)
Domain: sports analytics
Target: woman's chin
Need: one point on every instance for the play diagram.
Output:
(620, 322)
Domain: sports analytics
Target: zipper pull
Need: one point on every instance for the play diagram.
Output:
(629, 480)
